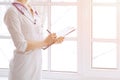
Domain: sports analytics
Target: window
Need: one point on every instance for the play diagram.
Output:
(6, 45)
(63, 16)
(94, 47)
(60, 15)
(104, 34)
(102, 48)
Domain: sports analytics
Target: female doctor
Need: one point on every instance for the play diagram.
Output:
(24, 25)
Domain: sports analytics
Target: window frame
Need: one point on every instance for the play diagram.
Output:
(84, 39)
(98, 73)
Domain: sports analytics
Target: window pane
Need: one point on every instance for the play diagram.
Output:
(45, 60)
(64, 0)
(6, 52)
(64, 56)
(64, 16)
(104, 55)
(105, 1)
(3, 28)
(104, 22)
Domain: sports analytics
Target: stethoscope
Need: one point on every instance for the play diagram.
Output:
(23, 10)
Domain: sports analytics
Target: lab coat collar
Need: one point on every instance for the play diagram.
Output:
(21, 4)
(24, 11)
(22, 7)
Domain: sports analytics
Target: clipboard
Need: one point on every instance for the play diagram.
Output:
(66, 31)
(63, 33)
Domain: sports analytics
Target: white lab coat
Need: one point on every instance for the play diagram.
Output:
(24, 65)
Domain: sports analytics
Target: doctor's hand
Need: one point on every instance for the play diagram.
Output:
(59, 40)
(50, 39)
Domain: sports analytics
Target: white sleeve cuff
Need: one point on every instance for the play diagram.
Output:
(21, 47)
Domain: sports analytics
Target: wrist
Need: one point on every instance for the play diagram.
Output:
(44, 44)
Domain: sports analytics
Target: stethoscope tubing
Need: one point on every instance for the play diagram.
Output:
(22, 12)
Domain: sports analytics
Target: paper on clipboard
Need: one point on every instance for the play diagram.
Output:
(66, 31)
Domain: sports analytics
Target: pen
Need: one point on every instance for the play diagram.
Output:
(48, 31)
(48, 45)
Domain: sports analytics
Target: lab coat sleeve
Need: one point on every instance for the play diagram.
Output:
(12, 21)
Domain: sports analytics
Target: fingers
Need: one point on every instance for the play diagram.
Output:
(53, 36)
(60, 40)
(51, 39)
